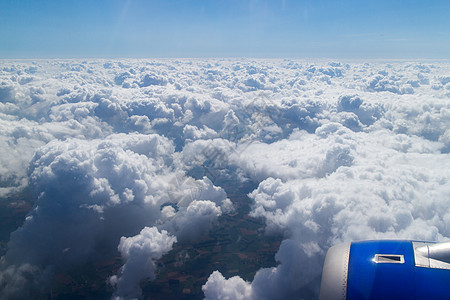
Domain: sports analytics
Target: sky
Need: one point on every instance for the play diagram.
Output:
(225, 28)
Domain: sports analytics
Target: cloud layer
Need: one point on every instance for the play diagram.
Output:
(337, 152)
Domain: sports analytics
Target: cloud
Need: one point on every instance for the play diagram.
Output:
(7, 92)
(217, 287)
(367, 113)
(90, 193)
(106, 174)
(357, 186)
(194, 221)
(25, 281)
(140, 253)
(18, 140)
(151, 79)
(139, 153)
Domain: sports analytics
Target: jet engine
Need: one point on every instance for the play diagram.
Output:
(387, 269)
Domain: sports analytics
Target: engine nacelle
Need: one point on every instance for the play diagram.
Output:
(387, 269)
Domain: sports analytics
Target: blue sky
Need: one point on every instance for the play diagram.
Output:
(225, 28)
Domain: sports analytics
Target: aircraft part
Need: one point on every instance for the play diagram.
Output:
(386, 269)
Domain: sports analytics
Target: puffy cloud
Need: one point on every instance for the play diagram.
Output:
(341, 186)
(217, 287)
(333, 152)
(89, 193)
(192, 133)
(151, 79)
(445, 139)
(112, 179)
(7, 92)
(140, 253)
(302, 155)
(382, 83)
(19, 138)
(194, 221)
(367, 113)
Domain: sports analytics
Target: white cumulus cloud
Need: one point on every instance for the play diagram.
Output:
(139, 253)
(131, 156)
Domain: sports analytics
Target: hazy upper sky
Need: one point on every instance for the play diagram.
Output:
(225, 28)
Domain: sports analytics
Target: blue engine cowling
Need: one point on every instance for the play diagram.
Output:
(387, 269)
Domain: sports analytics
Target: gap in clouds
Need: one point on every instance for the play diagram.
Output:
(236, 245)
